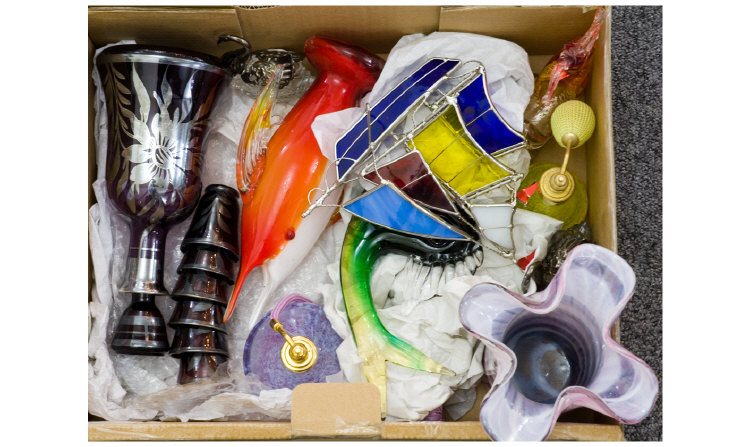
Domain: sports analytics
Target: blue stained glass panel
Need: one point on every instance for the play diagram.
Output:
(482, 121)
(360, 127)
(343, 165)
(386, 207)
(388, 109)
(472, 100)
(416, 84)
(492, 134)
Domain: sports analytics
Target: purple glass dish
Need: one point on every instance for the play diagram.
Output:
(262, 356)
(553, 350)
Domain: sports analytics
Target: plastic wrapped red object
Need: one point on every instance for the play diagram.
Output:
(563, 78)
(294, 164)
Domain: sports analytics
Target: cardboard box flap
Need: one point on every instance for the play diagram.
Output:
(350, 410)
(195, 28)
(600, 165)
(555, 25)
(376, 28)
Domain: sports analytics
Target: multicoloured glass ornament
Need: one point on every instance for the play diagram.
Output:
(561, 195)
(553, 350)
(429, 148)
(365, 243)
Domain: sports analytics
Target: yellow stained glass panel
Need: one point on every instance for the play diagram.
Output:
(453, 157)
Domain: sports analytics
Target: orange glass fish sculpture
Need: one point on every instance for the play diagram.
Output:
(291, 165)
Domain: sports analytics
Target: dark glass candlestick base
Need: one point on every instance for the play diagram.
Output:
(141, 329)
(194, 367)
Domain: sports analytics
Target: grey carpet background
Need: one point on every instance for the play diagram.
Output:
(637, 115)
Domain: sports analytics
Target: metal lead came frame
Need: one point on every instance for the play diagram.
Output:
(372, 145)
(485, 124)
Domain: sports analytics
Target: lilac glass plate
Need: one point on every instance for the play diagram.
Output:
(262, 356)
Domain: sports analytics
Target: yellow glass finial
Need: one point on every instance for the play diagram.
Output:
(572, 122)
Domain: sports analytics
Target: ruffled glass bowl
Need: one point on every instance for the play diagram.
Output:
(553, 350)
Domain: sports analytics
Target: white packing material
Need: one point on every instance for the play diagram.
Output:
(430, 322)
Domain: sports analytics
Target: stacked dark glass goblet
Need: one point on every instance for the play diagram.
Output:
(203, 287)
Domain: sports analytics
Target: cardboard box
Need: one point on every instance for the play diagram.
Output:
(541, 31)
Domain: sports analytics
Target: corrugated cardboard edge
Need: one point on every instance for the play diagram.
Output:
(601, 161)
(188, 431)
(472, 431)
(258, 431)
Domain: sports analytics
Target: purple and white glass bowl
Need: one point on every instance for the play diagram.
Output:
(553, 350)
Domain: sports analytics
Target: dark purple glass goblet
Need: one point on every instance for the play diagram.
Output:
(158, 104)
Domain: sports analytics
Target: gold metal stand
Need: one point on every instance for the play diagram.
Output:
(299, 353)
